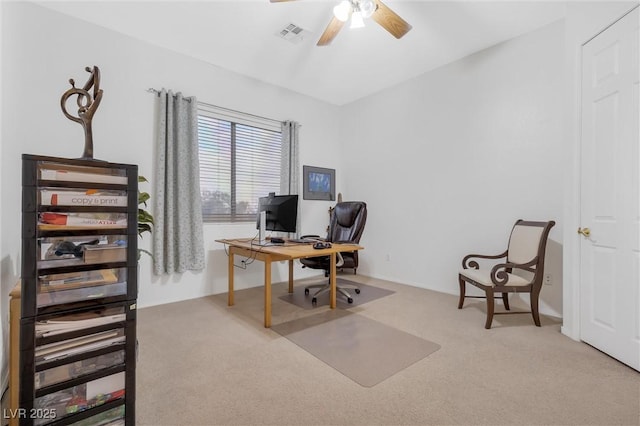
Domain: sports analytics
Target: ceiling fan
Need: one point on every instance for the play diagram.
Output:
(358, 10)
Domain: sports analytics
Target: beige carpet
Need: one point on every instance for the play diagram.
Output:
(367, 294)
(364, 350)
(202, 362)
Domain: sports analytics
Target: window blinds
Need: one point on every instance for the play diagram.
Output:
(239, 162)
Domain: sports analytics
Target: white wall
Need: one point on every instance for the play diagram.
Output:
(4, 311)
(455, 156)
(584, 20)
(42, 49)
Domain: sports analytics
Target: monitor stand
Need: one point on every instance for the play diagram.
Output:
(261, 229)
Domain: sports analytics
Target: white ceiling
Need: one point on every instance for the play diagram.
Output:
(239, 35)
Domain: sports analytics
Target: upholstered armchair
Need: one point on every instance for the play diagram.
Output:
(522, 271)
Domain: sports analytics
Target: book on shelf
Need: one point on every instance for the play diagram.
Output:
(85, 347)
(103, 253)
(53, 327)
(72, 176)
(78, 316)
(80, 294)
(49, 227)
(90, 250)
(90, 197)
(66, 372)
(78, 345)
(98, 220)
(73, 280)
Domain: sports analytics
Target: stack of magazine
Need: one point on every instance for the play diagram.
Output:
(72, 322)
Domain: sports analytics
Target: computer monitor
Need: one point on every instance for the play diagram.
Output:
(281, 212)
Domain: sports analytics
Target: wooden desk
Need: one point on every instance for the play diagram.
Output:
(276, 253)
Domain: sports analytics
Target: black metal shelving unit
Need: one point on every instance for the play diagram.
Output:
(78, 307)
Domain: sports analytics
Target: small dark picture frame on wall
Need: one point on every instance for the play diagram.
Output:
(319, 183)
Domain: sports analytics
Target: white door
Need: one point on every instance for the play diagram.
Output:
(610, 192)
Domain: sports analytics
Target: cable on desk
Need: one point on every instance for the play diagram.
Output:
(248, 260)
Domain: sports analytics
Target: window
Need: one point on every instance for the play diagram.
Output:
(240, 159)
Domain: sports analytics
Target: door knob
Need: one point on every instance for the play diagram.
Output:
(584, 231)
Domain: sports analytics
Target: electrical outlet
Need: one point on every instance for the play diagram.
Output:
(547, 279)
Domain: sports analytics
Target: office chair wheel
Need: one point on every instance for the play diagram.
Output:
(357, 290)
(314, 301)
(306, 291)
(350, 300)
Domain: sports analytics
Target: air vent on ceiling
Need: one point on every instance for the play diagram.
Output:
(292, 33)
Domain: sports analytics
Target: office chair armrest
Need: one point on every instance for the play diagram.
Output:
(499, 272)
(467, 264)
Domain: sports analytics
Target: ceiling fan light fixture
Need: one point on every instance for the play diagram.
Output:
(367, 7)
(358, 10)
(342, 10)
(356, 20)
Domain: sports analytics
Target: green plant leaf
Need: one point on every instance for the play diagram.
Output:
(143, 228)
(140, 251)
(143, 197)
(145, 219)
(144, 216)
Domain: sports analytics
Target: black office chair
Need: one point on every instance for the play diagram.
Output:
(347, 223)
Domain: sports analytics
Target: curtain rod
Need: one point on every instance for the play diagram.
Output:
(156, 91)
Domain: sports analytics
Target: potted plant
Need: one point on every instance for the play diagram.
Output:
(145, 219)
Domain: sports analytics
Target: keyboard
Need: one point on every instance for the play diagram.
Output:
(303, 240)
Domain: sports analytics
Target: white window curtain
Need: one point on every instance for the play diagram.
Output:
(290, 164)
(178, 241)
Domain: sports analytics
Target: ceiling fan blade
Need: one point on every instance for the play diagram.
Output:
(330, 32)
(390, 21)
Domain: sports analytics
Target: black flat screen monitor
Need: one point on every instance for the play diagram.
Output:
(281, 212)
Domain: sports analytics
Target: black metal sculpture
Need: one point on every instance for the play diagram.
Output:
(87, 106)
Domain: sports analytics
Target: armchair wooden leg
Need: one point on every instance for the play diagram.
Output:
(534, 307)
(490, 308)
(462, 291)
(505, 300)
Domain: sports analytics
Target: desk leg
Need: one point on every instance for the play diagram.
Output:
(267, 292)
(230, 273)
(291, 276)
(332, 282)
